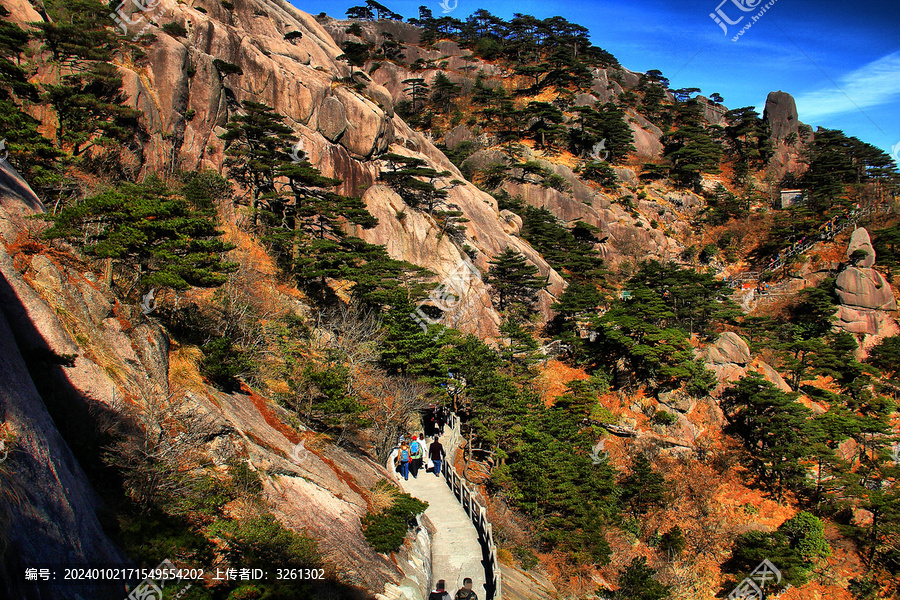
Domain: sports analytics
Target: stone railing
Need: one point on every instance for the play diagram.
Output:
(476, 511)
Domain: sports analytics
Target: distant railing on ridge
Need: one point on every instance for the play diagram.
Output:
(475, 510)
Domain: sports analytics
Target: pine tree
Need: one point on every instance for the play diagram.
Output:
(306, 223)
(796, 548)
(672, 542)
(444, 92)
(570, 252)
(774, 429)
(255, 145)
(514, 281)
(639, 337)
(517, 344)
(886, 355)
(363, 13)
(636, 582)
(643, 488)
(607, 125)
(156, 234)
(418, 92)
(355, 54)
(546, 123)
(555, 479)
(692, 151)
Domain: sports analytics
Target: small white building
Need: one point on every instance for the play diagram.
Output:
(791, 198)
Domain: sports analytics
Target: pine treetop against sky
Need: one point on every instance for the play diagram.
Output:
(840, 60)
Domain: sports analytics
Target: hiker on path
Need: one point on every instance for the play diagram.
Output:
(404, 458)
(417, 450)
(430, 421)
(439, 593)
(436, 454)
(466, 592)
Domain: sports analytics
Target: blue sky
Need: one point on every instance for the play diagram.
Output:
(840, 60)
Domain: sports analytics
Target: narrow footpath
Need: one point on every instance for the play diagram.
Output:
(456, 552)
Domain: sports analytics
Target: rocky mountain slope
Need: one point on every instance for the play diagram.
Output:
(74, 357)
(66, 341)
(344, 130)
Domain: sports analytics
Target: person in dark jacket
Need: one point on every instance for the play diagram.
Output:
(466, 592)
(430, 421)
(440, 592)
(441, 418)
(436, 454)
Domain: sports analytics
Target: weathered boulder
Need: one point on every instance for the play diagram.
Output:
(729, 348)
(677, 400)
(603, 88)
(865, 288)
(526, 585)
(730, 359)
(859, 240)
(769, 372)
(865, 296)
(866, 322)
(780, 114)
(484, 159)
(646, 144)
(369, 130)
(713, 113)
(513, 222)
(457, 136)
(332, 119)
(583, 99)
(626, 175)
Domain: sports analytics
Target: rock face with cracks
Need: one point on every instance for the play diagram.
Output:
(343, 130)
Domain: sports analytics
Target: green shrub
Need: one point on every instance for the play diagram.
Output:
(672, 542)
(263, 542)
(487, 48)
(222, 363)
(709, 252)
(202, 496)
(150, 536)
(247, 592)
(386, 529)
(664, 418)
(226, 68)
(244, 480)
(293, 35)
(175, 29)
(526, 557)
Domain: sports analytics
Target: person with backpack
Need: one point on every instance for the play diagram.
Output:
(417, 449)
(436, 454)
(403, 459)
(439, 593)
(466, 592)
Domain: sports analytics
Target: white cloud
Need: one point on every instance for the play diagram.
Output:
(875, 84)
